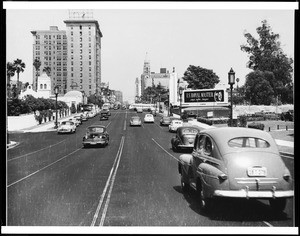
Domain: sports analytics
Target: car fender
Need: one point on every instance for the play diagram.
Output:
(184, 162)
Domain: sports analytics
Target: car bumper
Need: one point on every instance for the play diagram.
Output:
(94, 142)
(186, 146)
(135, 124)
(254, 194)
(64, 131)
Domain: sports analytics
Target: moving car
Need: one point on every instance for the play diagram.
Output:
(165, 120)
(139, 110)
(78, 118)
(66, 127)
(75, 121)
(84, 116)
(135, 121)
(149, 118)
(236, 162)
(174, 125)
(105, 110)
(95, 135)
(184, 139)
(104, 115)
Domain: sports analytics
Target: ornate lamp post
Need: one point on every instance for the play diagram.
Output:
(231, 81)
(56, 93)
(180, 93)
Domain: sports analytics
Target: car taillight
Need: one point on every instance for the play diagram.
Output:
(222, 176)
(286, 177)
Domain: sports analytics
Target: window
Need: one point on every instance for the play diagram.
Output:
(90, 57)
(80, 51)
(90, 39)
(71, 68)
(80, 33)
(72, 51)
(208, 147)
(80, 74)
(71, 39)
(72, 63)
(41, 86)
(80, 27)
(45, 86)
(71, 45)
(90, 50)
(89, 27)
(80, 68)
(90, 33)
(80, 80)
(80, 57)
(80, 86)
(90, 63)
(90, 74)
(80, 39)
(248, 142)
(81, 45)
(90, 86)
(72, 33)
(81, 63)
(72, 75)
(90, 68)
(90, 45)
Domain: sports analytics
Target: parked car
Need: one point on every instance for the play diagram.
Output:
(106, 110)
(174, 125)
(66, 127)
(95, 135)
(78, 118)
(148, 118)
(185, 137)
(84, 116)
(165, 120)
(75, 121)
(139, 110)
(236, 162)
(135, 121)
(104, 115)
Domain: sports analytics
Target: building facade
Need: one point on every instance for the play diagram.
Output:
(84, 55)
(50, 47)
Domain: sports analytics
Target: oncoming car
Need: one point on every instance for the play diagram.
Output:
(236, 162)
(66, 127)
(135, 121)
(184, 139)
(95, 135)
(174, 125)
(149, 118)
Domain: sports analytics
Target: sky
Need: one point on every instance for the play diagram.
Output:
(167, 37)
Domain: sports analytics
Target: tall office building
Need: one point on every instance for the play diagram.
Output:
(50, 48)
(84, 52)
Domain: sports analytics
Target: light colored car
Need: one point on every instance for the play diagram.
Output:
(149, 118)
(236, 162)
(166, 120)
(66, 127)
(135, 121)
(95, 135)
(139, 110)
(75, 121)
(174, 125)
(84, 116)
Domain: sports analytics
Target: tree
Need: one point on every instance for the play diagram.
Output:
(258, 89)
(267, 55)
(10, 72)
(19, 65)
(200, 78)
(47, 69)
(37, 65)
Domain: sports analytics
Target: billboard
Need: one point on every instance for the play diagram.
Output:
(202, 97)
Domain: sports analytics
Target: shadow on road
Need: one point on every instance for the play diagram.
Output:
(233, 209)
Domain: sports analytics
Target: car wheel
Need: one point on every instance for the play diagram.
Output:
(278, 204)
(204, 202)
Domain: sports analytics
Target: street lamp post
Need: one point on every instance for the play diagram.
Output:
(231, 81)
(180, 93)
(159, 103)
(168, 104)
(56, 93)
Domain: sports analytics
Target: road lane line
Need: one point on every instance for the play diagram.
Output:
(106, 186)
(111, 185)
(268, 224)
(42, 168)
(35, 151)
(124, 125)
(108, 124)
(158, 125)
(165, 150)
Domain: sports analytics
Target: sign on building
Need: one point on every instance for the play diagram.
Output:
(205, 97)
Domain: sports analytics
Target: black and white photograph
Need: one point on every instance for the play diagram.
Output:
(161, 117)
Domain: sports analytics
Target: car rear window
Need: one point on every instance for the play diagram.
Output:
(67, 123)
(248, 142)
(96, 129)
(189, 131)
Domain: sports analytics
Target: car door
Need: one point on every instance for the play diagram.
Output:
(197, 154)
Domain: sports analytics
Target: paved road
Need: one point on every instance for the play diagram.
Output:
(53, 181)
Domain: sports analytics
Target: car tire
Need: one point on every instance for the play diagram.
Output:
(205, 203)
(278, 205)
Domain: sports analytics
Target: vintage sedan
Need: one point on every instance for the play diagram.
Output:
(75, 121)
(95, 135)
(148, 118)
(174, 125)
(165, 120)
(66, 127)
(184, 139)
(236, 162)
(135, 121)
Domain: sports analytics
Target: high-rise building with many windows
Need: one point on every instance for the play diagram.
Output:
(50, 47)
(84, 53)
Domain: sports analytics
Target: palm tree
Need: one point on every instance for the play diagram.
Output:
(47, 69)
(19, 65)
(37, 65)
(10, 72)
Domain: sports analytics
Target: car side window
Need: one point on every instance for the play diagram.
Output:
(208, 147)
(200, 143)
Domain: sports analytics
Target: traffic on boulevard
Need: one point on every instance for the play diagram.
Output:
(131, 168)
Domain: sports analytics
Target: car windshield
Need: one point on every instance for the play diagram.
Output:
(96, 129)
(248, 142)
(166, 118)
(135, 118)
(148, 115)
(67, 123)
(177, 122)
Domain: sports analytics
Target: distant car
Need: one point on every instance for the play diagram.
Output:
(104, 115)
(148, 118)
(78, 118)
(105, 110)
(236, 162)
(91, 114)
(66, 127)
(175, 124)
(139, 110)
(84, 116)
(95, 135)
(184, 139)
(166, 120)
(135, 121)
(76, 121)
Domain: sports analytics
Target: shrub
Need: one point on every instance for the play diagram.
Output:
(254, 125)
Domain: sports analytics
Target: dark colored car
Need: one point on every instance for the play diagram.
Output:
(104, 115)
(184, 139)
(96, 135)
(166, 120)
(236, 162)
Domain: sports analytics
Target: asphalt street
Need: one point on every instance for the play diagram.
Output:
(134, 181)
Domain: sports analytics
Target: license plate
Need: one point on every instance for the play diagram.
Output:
(92, 143)
(257, 171)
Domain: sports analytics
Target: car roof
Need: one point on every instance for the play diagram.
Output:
(96, 126)
(222, 135)
(180, 129)
(135, 117)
